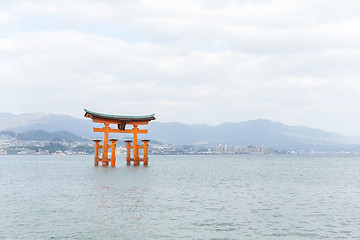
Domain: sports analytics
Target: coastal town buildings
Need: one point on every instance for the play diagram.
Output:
(13, 146)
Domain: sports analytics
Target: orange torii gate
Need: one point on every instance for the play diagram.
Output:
(121, 122)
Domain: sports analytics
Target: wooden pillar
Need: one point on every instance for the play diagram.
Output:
(136, 147)
(146, 159)
(128, 156)
(105, 160)
(113, 146)
(96, 159)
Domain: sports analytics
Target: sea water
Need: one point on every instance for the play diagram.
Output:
(181, 197)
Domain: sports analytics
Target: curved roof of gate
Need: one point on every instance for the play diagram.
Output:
(120, 118)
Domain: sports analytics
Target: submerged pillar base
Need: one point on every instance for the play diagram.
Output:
(113, 146)
(105, 162)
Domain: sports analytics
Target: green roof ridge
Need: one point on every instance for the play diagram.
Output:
(118, 116)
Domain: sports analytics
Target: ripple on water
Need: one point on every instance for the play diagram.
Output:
(181, 197)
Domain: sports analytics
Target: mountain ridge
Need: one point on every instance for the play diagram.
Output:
(41, 135)
(253, 132)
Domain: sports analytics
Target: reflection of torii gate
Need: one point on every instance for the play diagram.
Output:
(121, 122)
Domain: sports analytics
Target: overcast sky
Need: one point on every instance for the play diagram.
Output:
(189, 61)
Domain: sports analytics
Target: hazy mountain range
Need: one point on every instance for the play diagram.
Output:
(254, 132)
(41, 135)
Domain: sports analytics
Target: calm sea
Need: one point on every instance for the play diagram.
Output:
(181, 197)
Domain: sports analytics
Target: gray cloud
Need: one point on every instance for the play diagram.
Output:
(189, 61)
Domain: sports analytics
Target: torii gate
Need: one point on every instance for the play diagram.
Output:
(121, 122)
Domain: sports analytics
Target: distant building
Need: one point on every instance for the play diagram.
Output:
(229, 149)
(13, 151)
(218, 149)
(241, 149)
(43, 152)
(27, 152)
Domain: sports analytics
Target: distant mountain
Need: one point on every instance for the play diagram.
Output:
(45, 121)
(356, 139)
(254, 132)
(41, 135)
